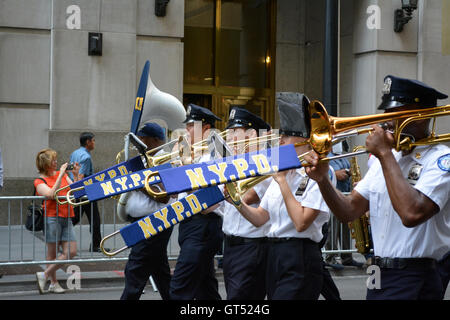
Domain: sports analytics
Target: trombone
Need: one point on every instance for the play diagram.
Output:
(270, 138)
(183, 152)
(149, 152)
(327, 130)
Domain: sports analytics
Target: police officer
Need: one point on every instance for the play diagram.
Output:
(293, 206)
(149, 257)
(245, 250)
(200, 236)
(407, 193)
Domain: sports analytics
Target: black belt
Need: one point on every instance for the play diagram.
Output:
(291, 239)
(403, 263)
(236, 240)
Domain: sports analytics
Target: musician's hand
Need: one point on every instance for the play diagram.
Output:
(379, 142)
(280, 176)
(316, 170)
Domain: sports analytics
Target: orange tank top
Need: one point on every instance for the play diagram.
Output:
(50, 206)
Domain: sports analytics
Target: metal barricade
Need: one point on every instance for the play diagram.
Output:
(18, 246)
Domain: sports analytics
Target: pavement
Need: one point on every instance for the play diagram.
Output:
(21, 252)
(24, 278)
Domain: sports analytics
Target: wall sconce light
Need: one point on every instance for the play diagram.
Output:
(160, 7)
(95, 44)
(403, 15)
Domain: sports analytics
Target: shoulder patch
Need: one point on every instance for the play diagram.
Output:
(414, 173)
(444, 162)
(302, 186)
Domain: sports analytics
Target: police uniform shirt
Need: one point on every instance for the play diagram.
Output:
(140, 205)
(306, 191)
(427, 169)
(235, 224)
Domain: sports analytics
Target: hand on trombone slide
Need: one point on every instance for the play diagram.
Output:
(379, 141)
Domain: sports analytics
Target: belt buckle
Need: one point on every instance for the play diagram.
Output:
(376, 261)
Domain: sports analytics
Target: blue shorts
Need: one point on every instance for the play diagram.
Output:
(59, 229)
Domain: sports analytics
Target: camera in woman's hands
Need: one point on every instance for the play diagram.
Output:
(69, 167)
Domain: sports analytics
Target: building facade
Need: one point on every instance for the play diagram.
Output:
(212, 52)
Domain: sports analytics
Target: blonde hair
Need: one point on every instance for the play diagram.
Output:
(44, 160)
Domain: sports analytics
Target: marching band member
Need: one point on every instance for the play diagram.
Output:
(149, 257)
(408, 195)
(296, 211)
(245, 251)
(200, 236)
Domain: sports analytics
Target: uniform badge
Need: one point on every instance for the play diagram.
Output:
(387, 86)
(232, 113)
(188, 111)
(302, 186)
(414, 173)
(444, 162)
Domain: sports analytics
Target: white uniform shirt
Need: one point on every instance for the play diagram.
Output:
(235, 224)
(140, 205)
(281, 224)
(390, 237)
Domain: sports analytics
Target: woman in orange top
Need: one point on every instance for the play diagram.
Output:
(58, 225)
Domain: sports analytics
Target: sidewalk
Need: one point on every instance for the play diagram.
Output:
(19, 244)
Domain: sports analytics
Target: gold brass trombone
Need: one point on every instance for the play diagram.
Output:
(149, 152)
(245, 142)
(327, 130)
(151, 162)
(183, 152)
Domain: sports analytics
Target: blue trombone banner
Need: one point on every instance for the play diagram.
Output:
(229, 169)
(121, 169)
(170, 215)
(124, 183)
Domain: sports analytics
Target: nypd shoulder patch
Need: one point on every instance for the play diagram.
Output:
(444, 162)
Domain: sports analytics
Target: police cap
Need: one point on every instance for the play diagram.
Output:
(242, 118)
(197, 113)
(398, 92)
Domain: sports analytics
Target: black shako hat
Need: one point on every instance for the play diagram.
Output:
(197, 113)
(294, 116)
(398, 92)
(242, 118)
